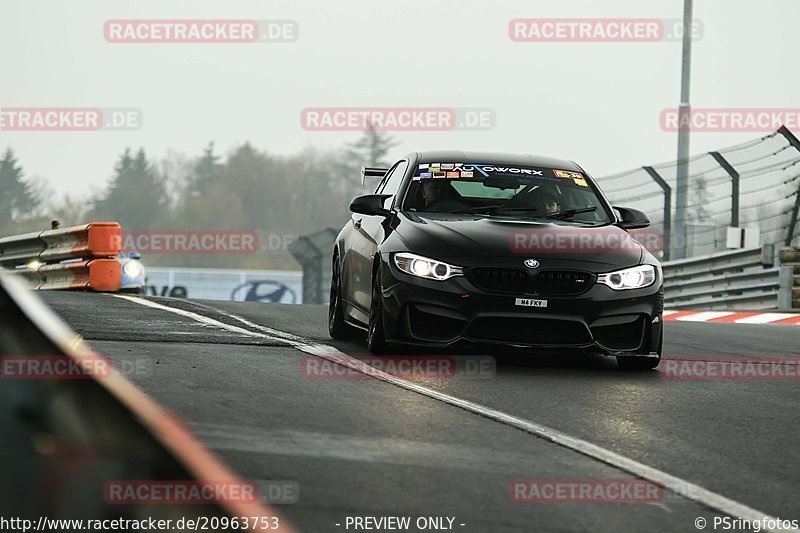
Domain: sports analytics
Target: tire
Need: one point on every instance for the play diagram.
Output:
(634, 363)
(338, 329)
(376, 336)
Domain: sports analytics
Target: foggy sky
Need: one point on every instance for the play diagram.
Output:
(596, 103)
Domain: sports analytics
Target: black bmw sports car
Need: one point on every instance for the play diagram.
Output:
(482, 248)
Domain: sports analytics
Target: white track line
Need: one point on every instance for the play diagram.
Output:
(675, 484)
(198, 317)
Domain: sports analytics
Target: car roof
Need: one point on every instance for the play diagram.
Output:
(472, 156)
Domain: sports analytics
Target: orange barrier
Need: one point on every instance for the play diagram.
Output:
(80, 257)
(98, 239)
(101, 275)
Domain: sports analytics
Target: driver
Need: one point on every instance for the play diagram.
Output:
(438, 197)
(545, 202)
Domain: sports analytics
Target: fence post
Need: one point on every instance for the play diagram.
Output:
(313, 252)
(667, 209)
(734, 174)
(786, 281)
(783, 130)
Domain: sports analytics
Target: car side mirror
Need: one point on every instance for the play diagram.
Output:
(632, 218)
(370, 204)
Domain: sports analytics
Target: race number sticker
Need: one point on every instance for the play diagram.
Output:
(577, 177)
(529, 302)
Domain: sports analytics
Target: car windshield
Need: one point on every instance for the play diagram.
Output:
(501, 191)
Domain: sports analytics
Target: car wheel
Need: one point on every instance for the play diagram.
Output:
(376, 339)
(641, 363)
(338, 329)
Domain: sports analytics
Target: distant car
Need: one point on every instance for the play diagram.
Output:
(264, 291)
(511, 250)
(133, 273)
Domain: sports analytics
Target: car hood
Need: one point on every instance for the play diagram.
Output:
(471, 240)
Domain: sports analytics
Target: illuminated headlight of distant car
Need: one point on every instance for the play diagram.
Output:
(132, 269)
(630, 278)
(423, 267)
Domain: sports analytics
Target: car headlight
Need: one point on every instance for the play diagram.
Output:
(630, 278)
(423, 267)
(132, 269)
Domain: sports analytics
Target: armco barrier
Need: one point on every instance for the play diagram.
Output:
(790, 261)
(738, 280)
(63, 440)
(80, 257)
(102, 275)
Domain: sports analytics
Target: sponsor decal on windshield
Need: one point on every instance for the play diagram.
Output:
(568, 174)
(487, 170)
(577, 177)
(470, 170)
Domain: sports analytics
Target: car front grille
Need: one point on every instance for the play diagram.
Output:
(510, 280)
(519, 281)
(558, 282)
(529, 331)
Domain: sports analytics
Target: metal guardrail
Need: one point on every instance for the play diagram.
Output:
(790, 260)
(80, 257)
(738, 280)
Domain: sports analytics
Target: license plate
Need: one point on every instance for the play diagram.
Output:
(528, 302)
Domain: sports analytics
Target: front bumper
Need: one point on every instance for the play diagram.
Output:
(449, 313)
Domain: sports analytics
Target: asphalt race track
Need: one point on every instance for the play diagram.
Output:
(366, 447)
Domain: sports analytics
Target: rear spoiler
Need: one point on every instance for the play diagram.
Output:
(372, 172)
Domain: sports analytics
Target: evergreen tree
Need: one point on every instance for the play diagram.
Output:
(372, 148)
(206, 172)
(17, 196)
(135, 197)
